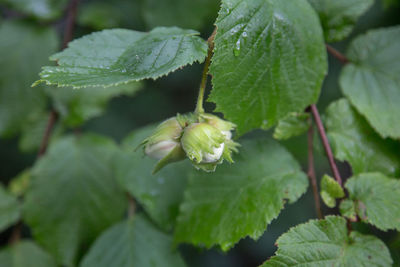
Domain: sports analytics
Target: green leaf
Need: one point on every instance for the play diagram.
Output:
(339, 17)
(182, 13)
(326, 243)
(159, 194)
(353, 140)
(135, 242)
(241, 199)
(25, 254)
(73, 195)
(10, 211)
(348, 209)
(77, 106)
(42, 9)
(292, 125)
(20, 184)
(377, 199)
(113, 57)
(17, 98)
(372, 81)
(268, 61)
(330, 191)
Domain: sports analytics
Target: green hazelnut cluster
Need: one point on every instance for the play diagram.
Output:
(203, 138)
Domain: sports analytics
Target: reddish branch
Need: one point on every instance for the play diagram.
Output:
(46, 136)
(68, 34)
(70, 23)
(324, 138)
(342, 58)
(311, 172)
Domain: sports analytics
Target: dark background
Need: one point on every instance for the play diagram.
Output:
(177, 93)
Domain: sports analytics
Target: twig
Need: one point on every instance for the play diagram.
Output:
(342, 58)
(203, 84)
(16, 233)
(132, 206)
(46, 137)
(311, 171)
(70, 23)
(68, 33)
(324, 138)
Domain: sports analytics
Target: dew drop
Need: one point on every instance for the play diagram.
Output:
(264, 125)
(236, 50)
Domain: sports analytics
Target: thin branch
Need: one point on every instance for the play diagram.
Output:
(311, 171)
(203, 84)
(16, 233)
(349, 226)
(132, 206)
(46, 137)
(68, 34)
(324, 138)
(70, 23)
(342, 58)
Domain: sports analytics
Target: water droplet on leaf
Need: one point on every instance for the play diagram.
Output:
(264, 125)
(236, 50)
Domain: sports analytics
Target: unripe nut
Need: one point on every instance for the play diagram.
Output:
(203, 143)
(161, 149)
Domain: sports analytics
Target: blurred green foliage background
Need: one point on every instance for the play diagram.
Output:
(160, 99)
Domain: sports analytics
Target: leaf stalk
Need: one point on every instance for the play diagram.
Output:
(324, 138)
(311, 171)
(203, 83)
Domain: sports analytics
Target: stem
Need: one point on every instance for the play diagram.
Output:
(311, 171)
(68, 34)
(16, 233)
(132, 206)
(325, 142)
(70, 23)
(46, 137)
(342, 58)
(203, 83)
(349, 226)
